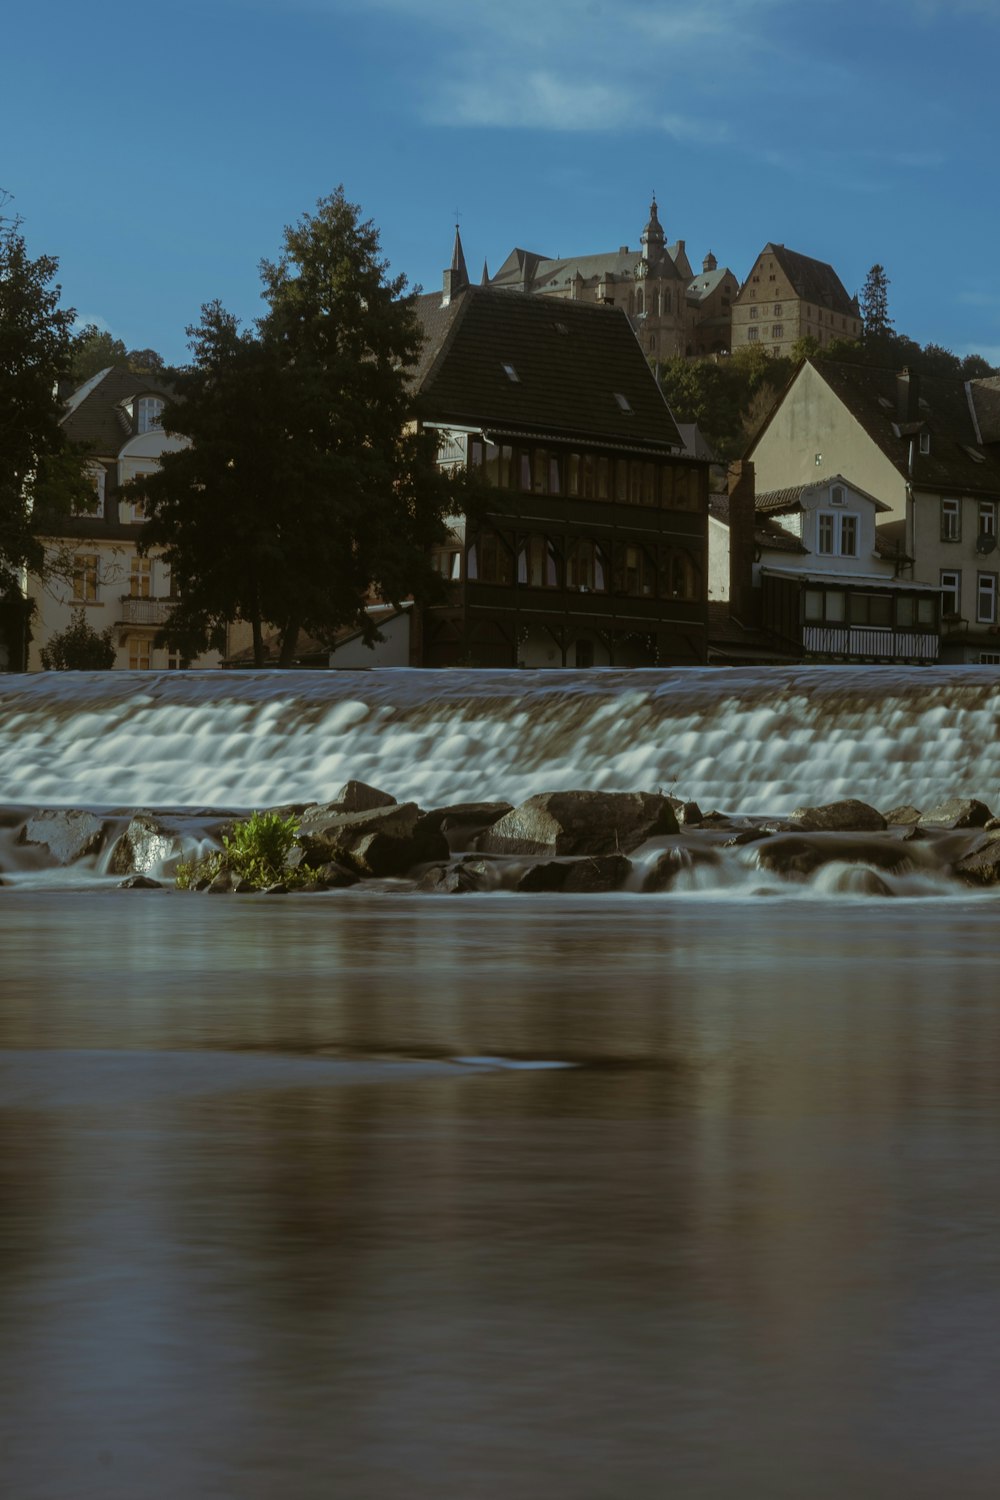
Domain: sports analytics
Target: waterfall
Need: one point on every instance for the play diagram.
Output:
(753, 740)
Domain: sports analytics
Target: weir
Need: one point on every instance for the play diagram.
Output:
(753, 740)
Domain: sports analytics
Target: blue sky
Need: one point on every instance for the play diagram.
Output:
(159, 150)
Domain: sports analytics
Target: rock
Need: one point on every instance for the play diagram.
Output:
(982, 865)
(746, 836)
(903, 814)
(357, 796)
(221, 885)
(992, 823)
(662, 874)
(602, 872)
(145, 843)
(139, 883)
(242, 886)
(788, 854)
(335, 877)
(547, 875)
(451, 880)
(387, 840)
(848, 816)
(463, 821)
(958, 812)
(688, 814)
(580, 823)
(67, 834)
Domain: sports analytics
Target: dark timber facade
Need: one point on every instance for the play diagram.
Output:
(592, 550)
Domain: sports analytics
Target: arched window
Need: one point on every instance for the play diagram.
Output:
(538, 563)
(587, 567)
(491, 559)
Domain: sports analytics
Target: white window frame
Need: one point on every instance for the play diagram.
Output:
(949, 588)
(951, 520)
(986, 598)
(148, 411)
(987, 518)
(837, 519)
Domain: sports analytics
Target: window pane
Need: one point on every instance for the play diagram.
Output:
(813, 604)
(825, 532)
(835, 606)
(848, 536)
(906, 612)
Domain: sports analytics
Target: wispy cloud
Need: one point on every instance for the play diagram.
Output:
(538, 100)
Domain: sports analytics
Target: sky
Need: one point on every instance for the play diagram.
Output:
(158, 150)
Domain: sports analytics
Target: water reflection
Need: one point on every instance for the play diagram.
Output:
(749, 1247)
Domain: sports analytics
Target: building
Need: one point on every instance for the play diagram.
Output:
(928, 448)
(673, 311)
(592, 547)
(93, 559)
(788, 297)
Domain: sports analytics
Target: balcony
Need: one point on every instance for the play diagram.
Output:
(867, 641)
(145, 611)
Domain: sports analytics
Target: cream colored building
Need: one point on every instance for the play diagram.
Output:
(787, 297)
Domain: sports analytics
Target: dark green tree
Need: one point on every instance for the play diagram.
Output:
(79, 648)
(876, 323)
(306, 488)
(40, 474)
(94, 349)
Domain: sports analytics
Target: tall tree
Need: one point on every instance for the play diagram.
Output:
(39, 472)
(306, 487)
(94, 349)
(875, 320)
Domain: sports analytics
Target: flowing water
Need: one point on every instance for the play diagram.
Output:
(375, 1194)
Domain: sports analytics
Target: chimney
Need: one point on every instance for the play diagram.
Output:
(907, 396)
(743, 597)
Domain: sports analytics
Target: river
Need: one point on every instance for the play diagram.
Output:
(378, 1195)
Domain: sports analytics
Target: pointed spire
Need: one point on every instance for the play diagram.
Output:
(486, 274)
(456, 278)
(652, 240)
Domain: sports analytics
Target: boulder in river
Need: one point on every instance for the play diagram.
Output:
(382, 841)
(462, 822)
(982, 865)
(358, 796)
(795, 855)
(903, 815)
(848, 816)
(145, 843)
(580, 823)
(957, 812)
(68, 834)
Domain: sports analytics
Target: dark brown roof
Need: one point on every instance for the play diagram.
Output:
(985, 395)
(813, 280)
(955, 461)
(572, 361)
(775, 538)
(97, 420)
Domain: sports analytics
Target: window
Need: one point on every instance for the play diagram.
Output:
(681, 574)
(989, 658)
(869, 609)
(490, 559)
(546, 473)
(140, 574)
(753, 334)
(927, 612)
(681, 488)
(623, 402)
(837, 496)
(538, 563)
(950, 582)
(778, 331)
(497, 468)
(138, 653)
(906, 612)
(951, 520)
(586, 567)
(987, 518)
(925, 442)
(635, 573)
(777, 310)
(148, 412)
(85, 578)
(829, 606)
(92, 504)
(986, 598)
(754, 312)
(447, 561)
(510, 372)
(837, 535)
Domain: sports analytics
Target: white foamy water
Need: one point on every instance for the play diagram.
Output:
(753, 740)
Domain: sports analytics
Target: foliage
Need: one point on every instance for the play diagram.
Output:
(255, 851)
(727, 398)
(94, 349)
(79, 648)
(39, 471)
(874, 301)
(306, 488)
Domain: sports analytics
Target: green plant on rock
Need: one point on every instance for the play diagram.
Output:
(255, 851)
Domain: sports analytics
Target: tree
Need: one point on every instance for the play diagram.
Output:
(307, 487)
(79, 648)
(875, 320)
(94, 349)
(40, 473)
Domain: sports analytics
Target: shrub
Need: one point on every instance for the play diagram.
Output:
(255, 850)
(79, 648)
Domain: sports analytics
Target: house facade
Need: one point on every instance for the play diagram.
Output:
(787, 297)
(592, 548)
(93, 561)
(929, 449)
(673, 311)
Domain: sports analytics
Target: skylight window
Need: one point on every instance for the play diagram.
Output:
(974, 454)
(623, 402)
(510, 372)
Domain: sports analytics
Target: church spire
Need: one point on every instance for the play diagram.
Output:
(456, 278)
(486, 274)
(652, 240)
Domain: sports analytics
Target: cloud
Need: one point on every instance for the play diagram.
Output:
(85, 320)
(538, 100)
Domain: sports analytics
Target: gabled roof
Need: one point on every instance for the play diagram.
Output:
(706, 282)
(94, 412)
(571, 362)
(984, 398)
(813, 280)
(777, 502)
(536, 273)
